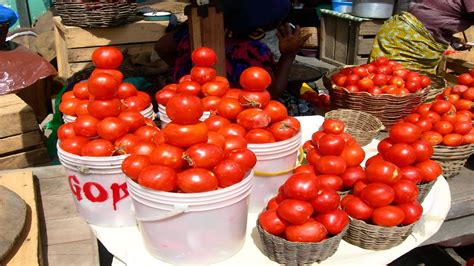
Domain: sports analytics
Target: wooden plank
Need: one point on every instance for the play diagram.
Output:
(328, 32)
(61, 50)
(24, 159)
(54, 186)
(75, 253)
(20, 141)
(28, 248)
(76, 67)
(352, 43)
(371, 27)
(15, 116)
(67, 230)
(58, 206)
(48, 172)
(85, 54)
(195, 29)
(365, 46)
(214, 37)
(361, 60)
(342, 38)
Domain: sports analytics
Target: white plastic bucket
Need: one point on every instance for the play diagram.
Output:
(275, 162)
(165, 120)
(189, 228)
(148, 113)
(99, 189)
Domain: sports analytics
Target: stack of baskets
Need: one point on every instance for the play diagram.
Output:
(388, 108)
(94, 14)
(452, 159)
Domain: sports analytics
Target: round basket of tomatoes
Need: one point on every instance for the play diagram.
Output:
(381, 88)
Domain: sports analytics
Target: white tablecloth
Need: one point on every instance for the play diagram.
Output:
(127, 247)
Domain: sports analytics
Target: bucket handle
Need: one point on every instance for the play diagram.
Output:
(177, 209)
(270, 174)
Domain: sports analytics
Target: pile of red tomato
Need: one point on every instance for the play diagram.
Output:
(109, 127)
(448, 120)
(380, 76)
(104, 94)
(320, 101)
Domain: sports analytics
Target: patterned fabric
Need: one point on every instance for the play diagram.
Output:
(404, 39)
(343, 15)
(296, 106)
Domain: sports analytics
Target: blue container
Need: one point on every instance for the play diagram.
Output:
(342, 6)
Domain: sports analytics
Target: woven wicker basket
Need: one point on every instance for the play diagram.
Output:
(362, 126)
(374, 237)
(286, 252)
(423, 190)
(452, 159)
(388, 108)
(437, 86)
(96, 14)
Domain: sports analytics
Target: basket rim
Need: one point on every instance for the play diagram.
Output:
(383, 227)
(376, 119)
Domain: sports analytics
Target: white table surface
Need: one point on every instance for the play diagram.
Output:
(127, 247)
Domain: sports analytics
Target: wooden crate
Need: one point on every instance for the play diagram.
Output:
(346, 40)
(21, 141)
(74, 45)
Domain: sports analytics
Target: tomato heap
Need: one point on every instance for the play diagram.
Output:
(335, 156)
(448, 120)
(192, 159)
(104, 94)
(380, 76)
(304, 211)
(108, 127)
(320, 101)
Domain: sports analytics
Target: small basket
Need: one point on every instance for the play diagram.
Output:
(437, 86)
(89, 14)
(388, 108)
(374, 237)
(452, 159)
(285, 252)
(423, 190)
(363, 127)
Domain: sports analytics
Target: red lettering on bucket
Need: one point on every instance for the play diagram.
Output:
(116, 188)
(102, 193)
(75, 189)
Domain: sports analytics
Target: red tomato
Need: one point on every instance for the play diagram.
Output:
(86, 126)
(168, 155)
(196, 180)
(234, 142)
(292, 122)
(185, 135)
(66, 131)
(232, 93)
(413, 85)
(74, 144)
(353, 155)
(333, 182)
(384, 145)
(352, 79)
(326, 200)
(331, 144)
(411, 173)
(352, 175)
(146, 98)
(162, 97)
(405, 191)
(189, 87)
(215, 88)
(143, 148)
(271, 223)
(302, 186)
(453, 140)
(158, 177)
(383, 172)
(81, 108)
(103, 86)
(334, 221)
(308, 146)
(103, 109)
(229, 108)
(469, 138)
(388, 216)
(434, 138)
(345, 199)
(259, 135)
(276, 110)
(295, 211)
(357, 208)
(204, 57)
(185, 78)
(401, 154)
(443, 127)
(125, 143)
(69, 107)
(307, 168)
(244, 157)
(331, 165)
(430, 170)
(381, 61)
(358, 187)
(107, 57)
(347, 138)
(228, 173)
(365, 84)
(133, 165)
(397, 81)
(432, 116)
(203, 155)
(112, 128)
(465, 79)
(223, 80)
(126, 90)
(253, 118)
(216, 122)
(424, 124)
(339, 79)
(404, 132)
(255, 79)
(118, 76)
(316, 136)
(311, 231)
(360, 71)
(333, 126)
(423, 150)
(98, 148)
(136, 103)
(149, 133)
(462, 128)
(412, 118)
(184, 109)
(469, 93)
(254, 99)
(412, 211)
(377, 195)
(216, 139)
(375, 90)
(375, 158)
(67, 96)
(81, 91)
(282, 131)
(133, 119)
(425, 81)
(232, 130)
(202, 75)
(441, 106)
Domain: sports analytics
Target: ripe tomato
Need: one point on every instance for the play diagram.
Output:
(66, 131)
(282, 131)
(443, 127)
(384, 145)
(357, 208)
(295, 211)
(81, 91)
(381, 61)
(244, 157)
(308, 146)
(103, 109)
(413, 85)
(424, 124)
(189, 87)
(441, 106)
(149, 133)
(185, 78)
(464, 116)
(397, 81)
(234, 142)
(377, 195)
(469, 138)
(118, 76)
(383, 172)
(326, 200)
(469, 94)
(271, 223)
(74, 144)
(375, 158)
(331, 165)
(411, 173)
(232, 93)
(401, 154)
(215, 88)
(210, 103)
(185, 135)
(360, 71)
(112, 128)
(453, 140)
(184, 109)
(412, 118)
(333, 182)
(232, 130)
(339, 79)
(162, 97)
(333, 126)
(81, 108)
(434, 138)
(465, 79)
(307, 168)
(375, 90)
(276, 110)
(228, 173)
(412, 211)
(107, 57)
(86, 126)
(216, 139)
(334, 221)
(216, 122)
(365, 84)
(67, 96)
(143, 148)
(347, 138)
(388, 216)
(353, 155)
(255, 79)
(432, 116)
(462, 128)
(316, 136)
(253, 118)
(345, 199)
(423, 150)
(158, 177)
(352, 80)
(430, 170)
(69, 107)
(133, 165)
(229, 108)
(292, 122)
(204, 57)
(301, 186)
(358, 187)
(126, 90)
(98, 148)
(425, 81)
(202, 75)
(103, 86)
(331, 144)
(254, 99)
(272, 204)
(311, 231)
(405, 191)
(196, 180)
(203, 155)
(352, 175)
(133, 119)
(404, 132)
(259, 135)
(125, 143)
(136, 103)
(168, 155)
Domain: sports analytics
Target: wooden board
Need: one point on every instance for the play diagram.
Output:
(12, 219)
(15, 116)
(370, 27)
(85, 54)
(24, 159)
(342, 40)
(20, 141)
(27, 251)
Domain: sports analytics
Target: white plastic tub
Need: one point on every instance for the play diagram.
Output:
(148, 113)
(373, 8)
(165, 120)
(99, 189)
(187, 228)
